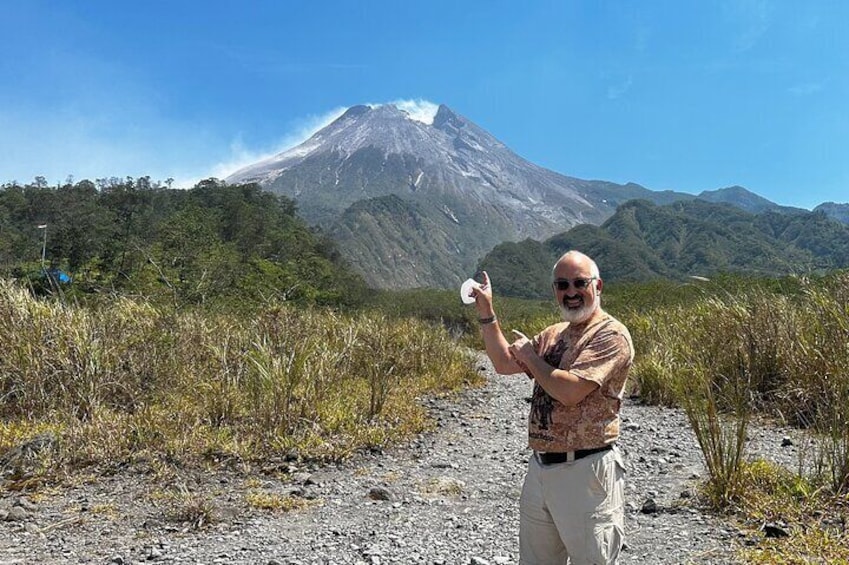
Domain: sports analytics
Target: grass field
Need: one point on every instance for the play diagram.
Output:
(123, 380)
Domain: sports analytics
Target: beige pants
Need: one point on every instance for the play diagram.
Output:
(573, 512)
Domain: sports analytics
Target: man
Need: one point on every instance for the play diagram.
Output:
(572, 503)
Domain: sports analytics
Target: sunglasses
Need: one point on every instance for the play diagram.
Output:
(579, 284)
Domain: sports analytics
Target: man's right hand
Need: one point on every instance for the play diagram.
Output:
(483, 297)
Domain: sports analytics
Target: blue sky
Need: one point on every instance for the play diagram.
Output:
(681, 95)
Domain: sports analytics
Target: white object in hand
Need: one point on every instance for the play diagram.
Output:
(466, 290)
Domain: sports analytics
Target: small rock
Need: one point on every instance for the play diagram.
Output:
(379, 493)
(774, 531)
(478, 561)
(295, 491)
(303, 478)
(26, 504)
(786, 441)
(117, 559)
(16, 514)
(649, 506)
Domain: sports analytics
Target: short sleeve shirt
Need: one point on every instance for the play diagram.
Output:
(600, 351)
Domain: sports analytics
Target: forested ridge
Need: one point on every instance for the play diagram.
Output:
(643, 241)
(210, 243)
(219, 242)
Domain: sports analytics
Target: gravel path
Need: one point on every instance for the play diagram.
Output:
(449, 497)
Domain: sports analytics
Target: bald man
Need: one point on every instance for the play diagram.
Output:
(572, 503)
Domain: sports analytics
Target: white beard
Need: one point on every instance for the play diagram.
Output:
(582, 314)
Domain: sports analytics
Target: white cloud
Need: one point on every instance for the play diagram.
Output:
(241, 156)
(419, 110)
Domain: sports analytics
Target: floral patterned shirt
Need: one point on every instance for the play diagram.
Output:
(601, 351)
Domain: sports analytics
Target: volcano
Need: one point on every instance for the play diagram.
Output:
(416, 201)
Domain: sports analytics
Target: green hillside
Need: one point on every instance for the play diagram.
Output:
(644, 241)
(212, 243)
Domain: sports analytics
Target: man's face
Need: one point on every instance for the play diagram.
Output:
(576, 290)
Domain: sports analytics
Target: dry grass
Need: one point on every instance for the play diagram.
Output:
(726, 358)
(277, 502)
(194, 511)
(811, 514)
(127, 381)
(443, 486)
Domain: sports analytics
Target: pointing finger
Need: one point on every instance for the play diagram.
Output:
(517, 333)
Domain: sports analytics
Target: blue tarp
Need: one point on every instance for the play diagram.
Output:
(58, 275)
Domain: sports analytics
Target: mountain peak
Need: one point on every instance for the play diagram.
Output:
(388, 111)
(745, 199)
(355, 111)
(417, 111)
(447, 121)
(463, 191)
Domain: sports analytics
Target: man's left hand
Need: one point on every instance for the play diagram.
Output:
(522, 348)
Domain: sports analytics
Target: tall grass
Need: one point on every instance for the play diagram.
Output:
(724, 357)
(825, 399)
(127, 379)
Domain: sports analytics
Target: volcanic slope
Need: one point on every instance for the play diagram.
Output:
(417, 202)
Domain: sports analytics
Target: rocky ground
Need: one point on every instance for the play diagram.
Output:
(449, 497)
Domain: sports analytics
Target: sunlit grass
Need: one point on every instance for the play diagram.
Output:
(131, 382)
(812, 516)
(783, 354)
(128, 381)
(277, 502)
(195, 511)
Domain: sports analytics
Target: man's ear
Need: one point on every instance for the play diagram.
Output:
(599, 284)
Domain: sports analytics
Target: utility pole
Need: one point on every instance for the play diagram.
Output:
(43, 244)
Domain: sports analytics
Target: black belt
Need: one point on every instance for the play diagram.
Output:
(548, 458)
